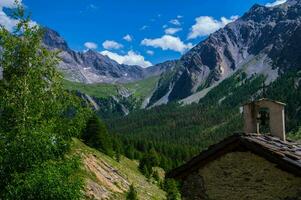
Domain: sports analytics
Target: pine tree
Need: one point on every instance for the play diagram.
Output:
(148, 161)
(117, 155)
(132, 193)
(96, 135)
(172, 191)
(117, 147)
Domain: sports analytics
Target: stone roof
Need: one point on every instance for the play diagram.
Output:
(286, 155)
(265, 99)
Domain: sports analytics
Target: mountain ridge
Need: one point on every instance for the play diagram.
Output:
(259, 43)
(92, 67)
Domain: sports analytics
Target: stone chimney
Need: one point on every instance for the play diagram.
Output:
(265, 111)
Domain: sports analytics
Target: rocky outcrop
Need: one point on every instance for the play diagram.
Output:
(105, 178)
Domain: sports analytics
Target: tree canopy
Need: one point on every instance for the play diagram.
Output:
(37, 119)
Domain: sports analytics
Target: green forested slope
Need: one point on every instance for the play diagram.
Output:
(179, 132)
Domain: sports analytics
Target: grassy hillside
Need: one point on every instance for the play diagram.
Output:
(140, 89)
(143, 88)
(100, 90)
(107, 178)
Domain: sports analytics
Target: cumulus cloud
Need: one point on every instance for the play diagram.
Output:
(128, 38)
(91, 45)
(171, 31)
(168, 42)
(175, 22)
(205, 25)
(150, 52)
(110, 44)
(275, 3)
(8, 3)
(131, 58)
(5, 20)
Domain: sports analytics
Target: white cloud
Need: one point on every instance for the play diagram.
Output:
(91, 45)
(175, 22)
(110, 44)
(171, 31)
(8, 3)
(150, 52)
(128, 38)
(6, 21)
(144, 27)
(179, 16)
(276, 3)
(205, 25)
(167, 42)
(131, 58)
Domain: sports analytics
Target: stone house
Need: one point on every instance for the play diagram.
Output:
(249, 165)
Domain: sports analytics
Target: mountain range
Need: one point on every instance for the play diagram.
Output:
(265, 40)
(92, 67)
(257, 56)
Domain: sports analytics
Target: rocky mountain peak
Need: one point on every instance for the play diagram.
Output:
(92, 67)
(293, 2)
(53, 40)
(263, 41)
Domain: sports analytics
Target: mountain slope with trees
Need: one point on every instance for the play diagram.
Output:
(109, 178)
(178, 132)
(265, 40)
(39, 120)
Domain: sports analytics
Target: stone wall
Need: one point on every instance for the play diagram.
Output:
(241, 176)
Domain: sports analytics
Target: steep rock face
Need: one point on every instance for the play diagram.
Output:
(160, 68)
(93, 67)
(53, 40)
(263, 41)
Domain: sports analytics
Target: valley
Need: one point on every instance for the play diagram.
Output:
(206, 88)
(78, 124)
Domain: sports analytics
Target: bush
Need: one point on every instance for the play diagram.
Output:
(52, 180)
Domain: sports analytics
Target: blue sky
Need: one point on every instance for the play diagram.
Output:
(158, 30)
